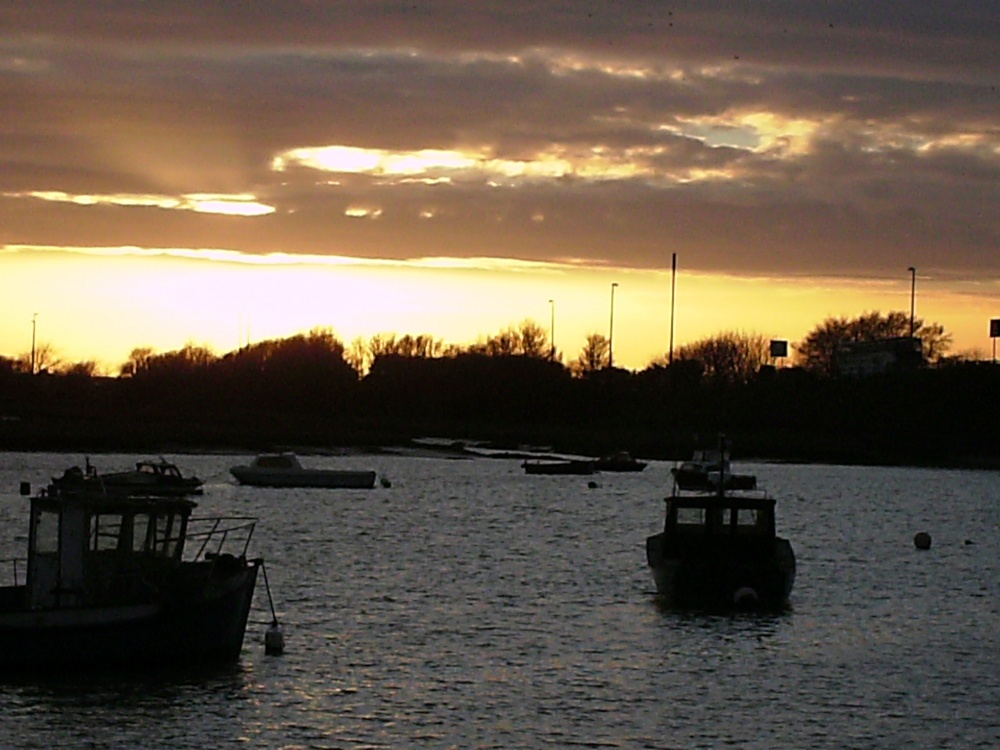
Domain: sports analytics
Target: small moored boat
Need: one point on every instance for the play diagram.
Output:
(707, 470)
(113, 581)
(573, 466)
(285, 470)
(721, 551)
(159, 478)
(619, 461)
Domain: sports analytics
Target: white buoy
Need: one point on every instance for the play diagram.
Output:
(274, 640)
(922, 540)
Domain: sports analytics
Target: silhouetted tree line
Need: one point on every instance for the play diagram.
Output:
(513, 389)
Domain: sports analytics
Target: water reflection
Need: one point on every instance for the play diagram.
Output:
(123, 689)
(469, 603)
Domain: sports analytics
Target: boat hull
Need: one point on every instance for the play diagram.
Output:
(579, 468)
(208, 628)
(317, 478)
(752, 576)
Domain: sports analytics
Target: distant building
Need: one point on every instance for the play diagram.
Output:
(858, 358)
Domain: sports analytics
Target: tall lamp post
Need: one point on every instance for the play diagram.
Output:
(34, 319)
(611, 328)
(552, 330)
(913, 296)
(673, 297)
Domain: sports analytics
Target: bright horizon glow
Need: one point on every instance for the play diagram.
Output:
(101, 304)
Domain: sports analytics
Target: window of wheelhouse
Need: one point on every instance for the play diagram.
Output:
(141, 535)
(155, 533)
(46, 531)
(105, 532)
(748, 520)
(164, 534)
(689, 520)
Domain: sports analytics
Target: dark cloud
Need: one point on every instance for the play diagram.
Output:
(765, 136)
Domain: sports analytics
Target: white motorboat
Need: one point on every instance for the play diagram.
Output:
(285, 470)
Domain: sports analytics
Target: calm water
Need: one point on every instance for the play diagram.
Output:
(469, 605)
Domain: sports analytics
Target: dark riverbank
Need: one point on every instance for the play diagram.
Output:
(943, 417)
(164, 435)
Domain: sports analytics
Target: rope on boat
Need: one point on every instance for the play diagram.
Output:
(274, 640)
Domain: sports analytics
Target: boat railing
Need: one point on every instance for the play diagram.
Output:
(215, 536)
(15, 568)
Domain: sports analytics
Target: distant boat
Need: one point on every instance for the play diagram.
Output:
(707, 470)
(619, 461)
(125, 582)
(573, 466)
(285, 470)
(720, 550)
(159, 478)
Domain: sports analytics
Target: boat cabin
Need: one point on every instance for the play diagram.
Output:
(287, 461)
(720, 516)
(159, 469)
(89, 549)
(705, 461)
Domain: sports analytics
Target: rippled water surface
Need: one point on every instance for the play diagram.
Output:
(469, 605)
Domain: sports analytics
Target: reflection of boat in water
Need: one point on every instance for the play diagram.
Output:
(116, 581)
(707, 470)
(150, 477)
(572, 466)
(721, 550)
(619, 461)
(285, 470)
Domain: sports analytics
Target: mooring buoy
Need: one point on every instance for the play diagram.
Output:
(274, 640)
(922, 540)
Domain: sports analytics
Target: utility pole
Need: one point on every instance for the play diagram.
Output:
(611, 328)
(673, 297)
(34, 319)
(552, 331)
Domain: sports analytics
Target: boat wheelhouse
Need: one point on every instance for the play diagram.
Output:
(721, 551)
(114, 581)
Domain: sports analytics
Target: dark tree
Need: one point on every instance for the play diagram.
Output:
(593, 356)
(729, 357)
(818, 351)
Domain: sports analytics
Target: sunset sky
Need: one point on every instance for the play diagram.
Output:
(217, 173)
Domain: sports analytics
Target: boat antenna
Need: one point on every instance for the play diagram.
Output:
(723, 462)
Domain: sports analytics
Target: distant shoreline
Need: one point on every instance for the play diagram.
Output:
(754, 448)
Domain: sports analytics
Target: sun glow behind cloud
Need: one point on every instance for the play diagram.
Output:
(445, 166)
(208, 203)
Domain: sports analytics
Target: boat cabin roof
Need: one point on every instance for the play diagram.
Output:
(99, 502)
(277, 461)
(715, 500)
(709, 456)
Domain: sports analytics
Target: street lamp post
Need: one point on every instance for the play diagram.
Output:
(34, 319)
(611, 328)
(673, 297)
(913, 296)
(552, 330)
